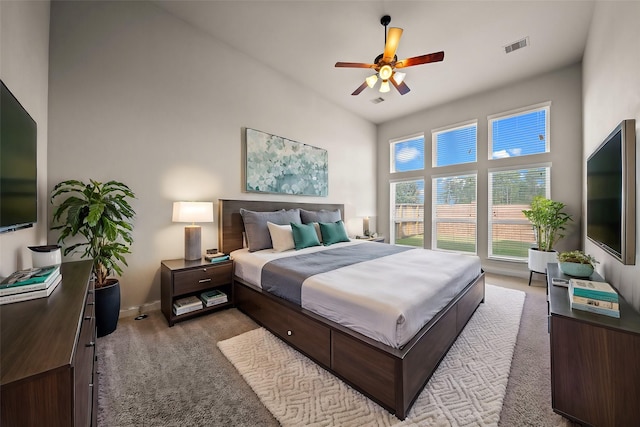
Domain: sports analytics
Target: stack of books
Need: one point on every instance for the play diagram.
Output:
(30, 284)
(217, 257)
(596, 297)
(186, 305)
(213, 297)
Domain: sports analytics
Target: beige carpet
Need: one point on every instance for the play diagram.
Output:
(467, 389)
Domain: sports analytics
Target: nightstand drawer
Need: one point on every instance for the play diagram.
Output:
(201, 278)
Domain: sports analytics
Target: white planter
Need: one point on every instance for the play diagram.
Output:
(538, 260)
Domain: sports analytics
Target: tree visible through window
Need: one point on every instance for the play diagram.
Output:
(511, 191)
(407, 212)
(455, 213)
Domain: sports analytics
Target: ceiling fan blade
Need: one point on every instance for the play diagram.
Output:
(402, 87)
(354, 65)
(360, 89)
(423, 59)
(393, 38)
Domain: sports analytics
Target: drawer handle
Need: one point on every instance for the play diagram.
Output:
(91, 303)
(289, 333)
(91, 344)
(88, 317)
(204, 280)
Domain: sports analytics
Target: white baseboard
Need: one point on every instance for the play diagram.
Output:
(135, 311)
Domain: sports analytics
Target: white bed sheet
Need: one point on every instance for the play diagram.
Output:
(388, 299)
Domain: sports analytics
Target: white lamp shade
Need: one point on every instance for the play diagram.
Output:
(192, 212)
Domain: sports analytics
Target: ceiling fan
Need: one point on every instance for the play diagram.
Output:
(386, 63)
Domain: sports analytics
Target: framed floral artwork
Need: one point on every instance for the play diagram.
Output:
(278, 165)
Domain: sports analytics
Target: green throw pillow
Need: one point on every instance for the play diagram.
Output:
(333, 232)
(304, 235)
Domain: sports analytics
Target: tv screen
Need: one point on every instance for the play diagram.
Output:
(18, 174)
(611, 193)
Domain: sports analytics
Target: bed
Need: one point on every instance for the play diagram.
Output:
(390, 371)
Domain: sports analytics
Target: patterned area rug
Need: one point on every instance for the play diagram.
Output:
(467, 389)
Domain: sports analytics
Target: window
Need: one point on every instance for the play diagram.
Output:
(455, 145)
(511, 191)
(519, 133)
(455, 213)
(407, 154)
(407, 213)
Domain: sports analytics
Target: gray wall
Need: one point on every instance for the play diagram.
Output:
(24, 68)
(611, 93)
(135, 97)
(562, 88)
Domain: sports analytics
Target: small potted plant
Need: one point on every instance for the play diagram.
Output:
(101, 214)
(576, 263)
(548, 220)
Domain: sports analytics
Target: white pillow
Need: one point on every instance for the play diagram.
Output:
(317, 226)
(281, 237)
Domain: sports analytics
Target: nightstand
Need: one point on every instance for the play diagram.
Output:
(180, 278)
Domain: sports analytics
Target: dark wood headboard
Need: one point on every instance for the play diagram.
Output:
(231, 227)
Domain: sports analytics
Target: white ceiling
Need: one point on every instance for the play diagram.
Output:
(304, 39)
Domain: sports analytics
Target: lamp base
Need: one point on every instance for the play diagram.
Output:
(192, 243)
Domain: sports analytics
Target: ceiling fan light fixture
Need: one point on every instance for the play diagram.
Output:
(399, 77)
(385, 72)
(371, 80)
(384, 86)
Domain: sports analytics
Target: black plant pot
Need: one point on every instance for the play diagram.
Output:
(107, 307)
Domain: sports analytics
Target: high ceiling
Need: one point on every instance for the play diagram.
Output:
(304, 39)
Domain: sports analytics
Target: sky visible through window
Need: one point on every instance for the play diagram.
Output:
(456, 146)
(513, 136)
(519, 135)
(409, 155)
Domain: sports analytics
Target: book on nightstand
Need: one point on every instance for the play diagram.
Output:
(186, 305)
(213, 297)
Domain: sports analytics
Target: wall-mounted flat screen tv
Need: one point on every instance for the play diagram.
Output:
(611, 193)
(18, 174)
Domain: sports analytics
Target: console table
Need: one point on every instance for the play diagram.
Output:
(595, 374)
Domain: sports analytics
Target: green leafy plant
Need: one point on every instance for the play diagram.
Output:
(548, 221)
(577, 257)
(99, 212)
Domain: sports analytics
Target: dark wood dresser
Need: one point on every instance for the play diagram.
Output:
(47, 350)
(595, 373)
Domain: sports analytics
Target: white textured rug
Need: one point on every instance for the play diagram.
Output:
(467, 389)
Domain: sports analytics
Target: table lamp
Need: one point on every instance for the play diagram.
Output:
(192, 212)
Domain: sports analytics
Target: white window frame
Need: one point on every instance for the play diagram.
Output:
(449, 128)
(435, 220)
(546, 106)
(524, 221)
(394, 141)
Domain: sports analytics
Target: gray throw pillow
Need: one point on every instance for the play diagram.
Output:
(256, 229)
(322, 215)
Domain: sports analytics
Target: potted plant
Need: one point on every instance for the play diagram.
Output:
(576, 263)
(548, 220)
(101, 214)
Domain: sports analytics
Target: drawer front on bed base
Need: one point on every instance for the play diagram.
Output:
(372, 372)
(468, 304)
(303, 333)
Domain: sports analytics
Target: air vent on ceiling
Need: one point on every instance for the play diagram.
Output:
(377, 100)
(516, 45)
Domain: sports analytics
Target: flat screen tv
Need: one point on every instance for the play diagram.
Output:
(611, 193)
(18, 174)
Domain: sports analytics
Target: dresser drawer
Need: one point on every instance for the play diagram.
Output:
(201, 278)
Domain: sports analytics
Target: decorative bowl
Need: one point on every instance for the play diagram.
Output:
(576, 269)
